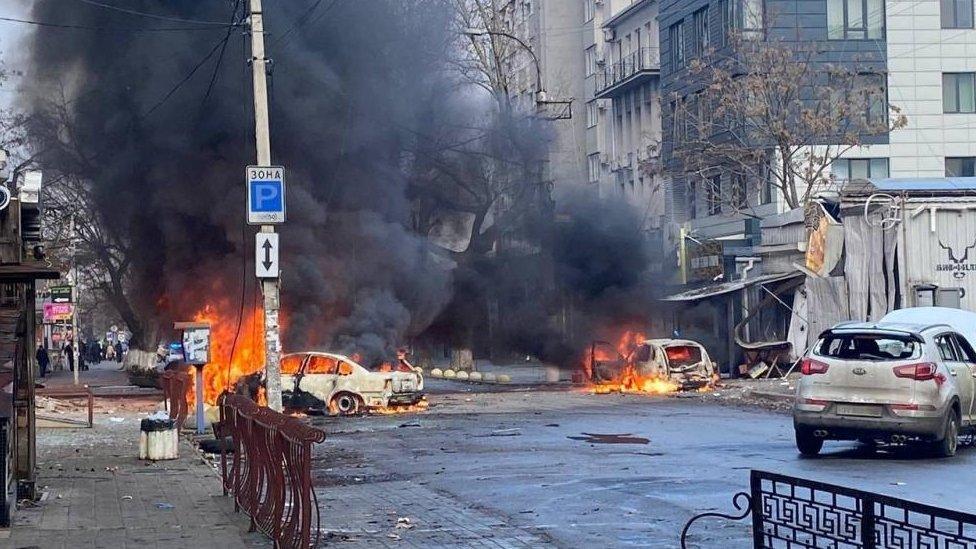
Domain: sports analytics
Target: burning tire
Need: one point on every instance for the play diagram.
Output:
(345, 404)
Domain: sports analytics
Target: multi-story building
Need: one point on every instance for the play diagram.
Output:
(623, 104)
(602, 55)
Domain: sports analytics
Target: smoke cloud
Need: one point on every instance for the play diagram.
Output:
(164, 132)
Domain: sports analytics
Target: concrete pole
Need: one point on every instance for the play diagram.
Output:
(262, 134)
(73, 280)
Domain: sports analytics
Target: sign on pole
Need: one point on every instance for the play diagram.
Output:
(266, 255)
(265, 195)
(61, 294)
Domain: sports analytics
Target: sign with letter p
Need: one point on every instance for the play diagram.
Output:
(265, 195)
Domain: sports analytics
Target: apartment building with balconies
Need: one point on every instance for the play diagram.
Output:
(623, 106)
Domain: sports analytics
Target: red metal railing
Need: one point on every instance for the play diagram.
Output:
(175, 386)
(270, 475)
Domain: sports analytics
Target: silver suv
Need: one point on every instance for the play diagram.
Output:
(887, 381)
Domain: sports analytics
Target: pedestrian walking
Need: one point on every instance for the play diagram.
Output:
(119, 352)
(69, 353)
(43, 360)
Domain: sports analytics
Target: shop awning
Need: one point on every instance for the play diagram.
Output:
(713, 290)
(26, 272)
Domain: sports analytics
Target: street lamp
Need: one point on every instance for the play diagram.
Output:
(540, 93)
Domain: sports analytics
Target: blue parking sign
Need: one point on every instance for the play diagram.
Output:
(265, 195)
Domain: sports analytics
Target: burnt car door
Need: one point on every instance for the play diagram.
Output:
(291, 367)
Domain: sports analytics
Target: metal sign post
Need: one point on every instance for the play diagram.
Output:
(196, 351)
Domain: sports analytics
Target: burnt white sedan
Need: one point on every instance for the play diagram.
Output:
(338, 385)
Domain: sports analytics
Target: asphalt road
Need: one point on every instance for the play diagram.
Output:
(522, 459)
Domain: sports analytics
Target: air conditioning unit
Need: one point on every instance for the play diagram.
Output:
(614, 166)
(603, 104)
(609, 35)
(599, 2)
(604, 159)
(600, 61)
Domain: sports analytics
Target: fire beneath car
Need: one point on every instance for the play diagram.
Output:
(636, 364)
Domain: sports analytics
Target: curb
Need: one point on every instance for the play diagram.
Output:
(766, 395)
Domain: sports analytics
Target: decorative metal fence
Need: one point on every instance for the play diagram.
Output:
(795, 513)
(270, 473)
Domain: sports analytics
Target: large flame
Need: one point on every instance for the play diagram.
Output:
(230, 360)
(630, 381)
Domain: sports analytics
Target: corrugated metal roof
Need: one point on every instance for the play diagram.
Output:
(728, 287)
(925, 184)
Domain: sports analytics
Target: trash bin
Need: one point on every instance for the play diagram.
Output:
(159, 438)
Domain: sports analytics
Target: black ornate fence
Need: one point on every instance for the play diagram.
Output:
(794, 513)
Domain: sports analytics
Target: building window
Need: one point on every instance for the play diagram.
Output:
(713, 195)
(751, 18)
(676, 34)
(591, 61)
(737, 191)
(677, 123)
(727, 15)
(957, 14)
(593, 167)
(960, 166)
(876, 100)
(692, 199)
(958, 92)
(592, 114)
(701, 30)
(589, 10)
(855, 19)
(846, 169)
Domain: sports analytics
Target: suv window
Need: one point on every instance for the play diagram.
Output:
(947, 351)
(868, 347)
(964, 349)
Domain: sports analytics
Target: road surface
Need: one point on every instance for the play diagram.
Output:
(515, 469)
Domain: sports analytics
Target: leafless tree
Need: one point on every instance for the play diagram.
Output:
(773, 111)
(100, 251)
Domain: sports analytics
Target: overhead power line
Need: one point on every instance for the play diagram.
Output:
(106, 29)
(189, 75)
(150, 15)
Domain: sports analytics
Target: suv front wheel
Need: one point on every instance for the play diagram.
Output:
(807, 444)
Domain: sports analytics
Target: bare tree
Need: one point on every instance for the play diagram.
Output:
(774, 112)
(98, 249)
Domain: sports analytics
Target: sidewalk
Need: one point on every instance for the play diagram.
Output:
(99, 494)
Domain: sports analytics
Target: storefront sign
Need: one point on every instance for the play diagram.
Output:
(58, 312)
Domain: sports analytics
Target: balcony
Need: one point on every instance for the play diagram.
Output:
(633, 69)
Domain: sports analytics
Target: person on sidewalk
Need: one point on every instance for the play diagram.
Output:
(119, 352)
(69, 353)
(43, 360)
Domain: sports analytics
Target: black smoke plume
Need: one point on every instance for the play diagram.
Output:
(161, 124)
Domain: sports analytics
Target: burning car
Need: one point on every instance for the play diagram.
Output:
(651, 365)
(338, 385)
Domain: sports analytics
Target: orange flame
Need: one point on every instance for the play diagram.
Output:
(230, 360)
(629, 380)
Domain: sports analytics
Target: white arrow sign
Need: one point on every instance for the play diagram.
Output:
(266, 255)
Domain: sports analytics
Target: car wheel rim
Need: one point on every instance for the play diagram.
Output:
(953, 435)
(346, 404)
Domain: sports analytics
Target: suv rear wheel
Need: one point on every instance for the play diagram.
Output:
(950, 442)
(807, 444)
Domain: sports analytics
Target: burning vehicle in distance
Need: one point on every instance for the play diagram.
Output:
(338, 385)
(650, 365)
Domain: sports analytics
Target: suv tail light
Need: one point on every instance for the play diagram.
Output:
(923, 371)
(809, 367)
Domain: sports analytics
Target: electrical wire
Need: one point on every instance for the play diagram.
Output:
(149, 15)
(298, 22)
(104, 29)
(186, 78)
(282, 41)
(220, 59)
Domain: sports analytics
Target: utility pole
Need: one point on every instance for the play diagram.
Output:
(73, 280)
(262, 135)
